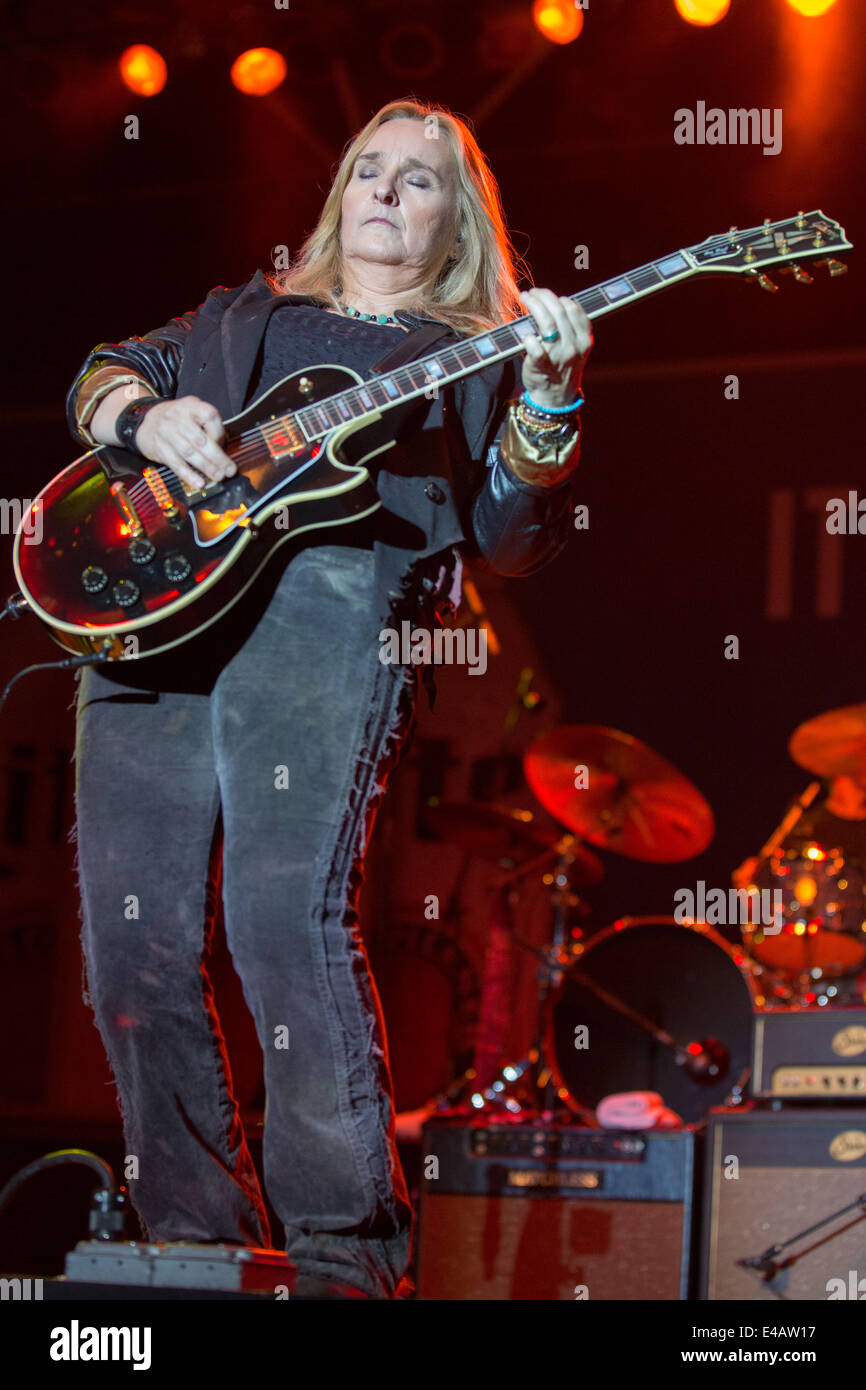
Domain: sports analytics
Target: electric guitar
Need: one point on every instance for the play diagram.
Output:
(117, 556)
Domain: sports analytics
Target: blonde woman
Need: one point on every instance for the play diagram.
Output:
(176, 753)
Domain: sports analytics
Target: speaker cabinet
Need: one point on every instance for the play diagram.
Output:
(770, 1175)
(555, 1212)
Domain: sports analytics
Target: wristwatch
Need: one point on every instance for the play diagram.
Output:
(127, 423)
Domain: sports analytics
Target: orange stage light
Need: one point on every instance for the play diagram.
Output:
(819, 76)
(143, 69)
(558, 20)
(811, 7)
(702, 11)
(258, 71)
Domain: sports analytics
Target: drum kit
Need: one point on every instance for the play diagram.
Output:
(651, 1004)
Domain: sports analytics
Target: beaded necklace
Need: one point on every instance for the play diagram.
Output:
(371, 318)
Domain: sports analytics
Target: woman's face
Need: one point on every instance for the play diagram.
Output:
(399, 205)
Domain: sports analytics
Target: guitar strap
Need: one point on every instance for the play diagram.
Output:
(413, 345)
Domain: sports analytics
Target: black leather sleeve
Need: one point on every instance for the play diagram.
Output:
(516, 527)
(156, 356)
(519, 527)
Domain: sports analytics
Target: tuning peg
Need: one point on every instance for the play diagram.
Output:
(835, 267)
(798, 273)
(757, 278)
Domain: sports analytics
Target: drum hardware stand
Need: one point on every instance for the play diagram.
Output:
(533, 1086)
(526, 1088)
(795, 812)
(767, 1264)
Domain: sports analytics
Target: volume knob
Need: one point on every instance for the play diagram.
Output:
(94, 579)
(141, 551)
(126, 593)
(176, 568)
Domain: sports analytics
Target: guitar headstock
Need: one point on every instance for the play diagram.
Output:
(810, 236)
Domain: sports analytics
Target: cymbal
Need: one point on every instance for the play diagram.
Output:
(635, 802)
(502, 834)
(833, 744)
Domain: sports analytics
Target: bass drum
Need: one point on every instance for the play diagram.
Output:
(683, 979)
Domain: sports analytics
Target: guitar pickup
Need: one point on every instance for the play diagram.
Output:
(283, 438)
(161, 494)
(126, 507)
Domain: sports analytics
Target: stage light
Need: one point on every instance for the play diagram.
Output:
(558, 20)
(811, 7)
(258, 71)
(143, 69)
(702, 11)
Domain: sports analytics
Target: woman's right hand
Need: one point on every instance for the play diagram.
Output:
(185, 434)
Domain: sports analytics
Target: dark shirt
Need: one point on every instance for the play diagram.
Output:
(307, 336)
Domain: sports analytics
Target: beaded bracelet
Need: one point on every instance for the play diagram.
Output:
(544, 438)
(542, 426)
(558, 427)
(553, 409)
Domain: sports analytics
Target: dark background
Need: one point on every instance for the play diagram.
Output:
(108, 237)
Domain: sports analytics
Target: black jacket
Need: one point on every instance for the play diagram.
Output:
(448, 481)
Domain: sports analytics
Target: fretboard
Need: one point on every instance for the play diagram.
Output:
(471, 355)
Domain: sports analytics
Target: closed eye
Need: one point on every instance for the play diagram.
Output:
(418, 182)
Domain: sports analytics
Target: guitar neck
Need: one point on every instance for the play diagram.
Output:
(441, 368)
(748, 252)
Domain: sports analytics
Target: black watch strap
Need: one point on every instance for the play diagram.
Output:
(127, 423)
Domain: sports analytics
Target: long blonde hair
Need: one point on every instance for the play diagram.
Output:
(474, 292)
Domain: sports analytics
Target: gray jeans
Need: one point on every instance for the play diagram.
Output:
(294, 742)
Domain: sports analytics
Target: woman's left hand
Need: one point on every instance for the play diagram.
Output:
(552, 371)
